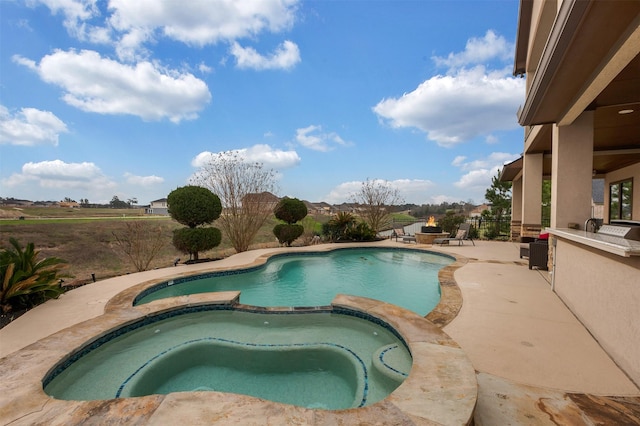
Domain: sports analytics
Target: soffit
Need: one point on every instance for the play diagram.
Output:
(510, 171)
(584, 35)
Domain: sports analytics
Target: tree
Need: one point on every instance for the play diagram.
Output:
(450, 221)
(376, 197)
(25, 280)
(546, 202)
(194, 206)
(194, 240)
(141, 242)
(117, 203)
(289, 210)
(286, 233)
(499, 196)
(245, 190)
(338, 226)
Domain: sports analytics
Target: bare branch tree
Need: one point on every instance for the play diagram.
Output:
(245, 190)
(141, 242)
(375, 198)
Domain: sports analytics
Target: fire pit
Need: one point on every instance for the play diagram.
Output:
(430, 232)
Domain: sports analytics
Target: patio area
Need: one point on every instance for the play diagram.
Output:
(535, 362)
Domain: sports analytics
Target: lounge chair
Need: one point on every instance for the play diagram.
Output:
(399, 233)
(461, 235)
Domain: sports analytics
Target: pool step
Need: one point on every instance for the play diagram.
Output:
(393, 362)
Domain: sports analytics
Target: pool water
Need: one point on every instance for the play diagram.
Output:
(407, 278)
(315, 359)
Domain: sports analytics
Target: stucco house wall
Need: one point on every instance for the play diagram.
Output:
(605, 298)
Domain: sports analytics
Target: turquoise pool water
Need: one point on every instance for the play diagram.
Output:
(318, 359)
(407, 278)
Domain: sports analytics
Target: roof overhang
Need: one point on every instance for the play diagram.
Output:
(510, 171)
(590, 45)
(522, 40)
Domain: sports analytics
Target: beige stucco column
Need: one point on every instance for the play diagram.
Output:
(571, 172)
(516, 208)
(532, 194)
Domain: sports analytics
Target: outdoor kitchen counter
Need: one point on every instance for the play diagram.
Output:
(597, 275)
(615, 245)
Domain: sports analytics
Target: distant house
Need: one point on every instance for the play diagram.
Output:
(158, 207)
(477, 212)
(321, 208)
(69, 204)
(13, 202)
(265, 200)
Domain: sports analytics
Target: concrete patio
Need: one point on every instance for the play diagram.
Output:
(535, 362)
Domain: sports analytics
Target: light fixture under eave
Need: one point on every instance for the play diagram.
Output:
(625, 111)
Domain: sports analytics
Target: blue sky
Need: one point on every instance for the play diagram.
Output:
(125, 98)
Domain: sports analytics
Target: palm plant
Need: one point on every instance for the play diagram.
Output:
(24, 279)
(339, 225)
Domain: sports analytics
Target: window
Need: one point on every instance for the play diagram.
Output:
(620, 200)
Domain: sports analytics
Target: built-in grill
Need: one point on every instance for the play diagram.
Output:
(628, 229)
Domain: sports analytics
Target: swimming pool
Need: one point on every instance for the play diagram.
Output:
(328, 359)
(407, 278)
(441, 387)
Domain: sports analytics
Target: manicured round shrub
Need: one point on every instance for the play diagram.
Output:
(194, 240)
(286, 233)
(290, 210)
(193, 205)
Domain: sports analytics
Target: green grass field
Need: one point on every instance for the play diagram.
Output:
(85, 238)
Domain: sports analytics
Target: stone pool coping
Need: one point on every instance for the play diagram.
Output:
(446, 310)
(441, 387)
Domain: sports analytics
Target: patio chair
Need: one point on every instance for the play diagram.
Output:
(461, 235)
(399, 232)
(536, 250)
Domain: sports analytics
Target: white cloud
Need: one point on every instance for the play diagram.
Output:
(204, 68)
(472, 100)
(457, 108)
(30, 127)
(312, 137)
(269, 157)
(479, 51)
(286, 56)
(495, 159)
(458, 160)
(29, 63)
(439, 199)
(76, 13)
(130, 25)
(409, 189)
(59, 175)
(200, 22)
(101, 85)
(479, 172)
(143, 180)
(197, 23)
